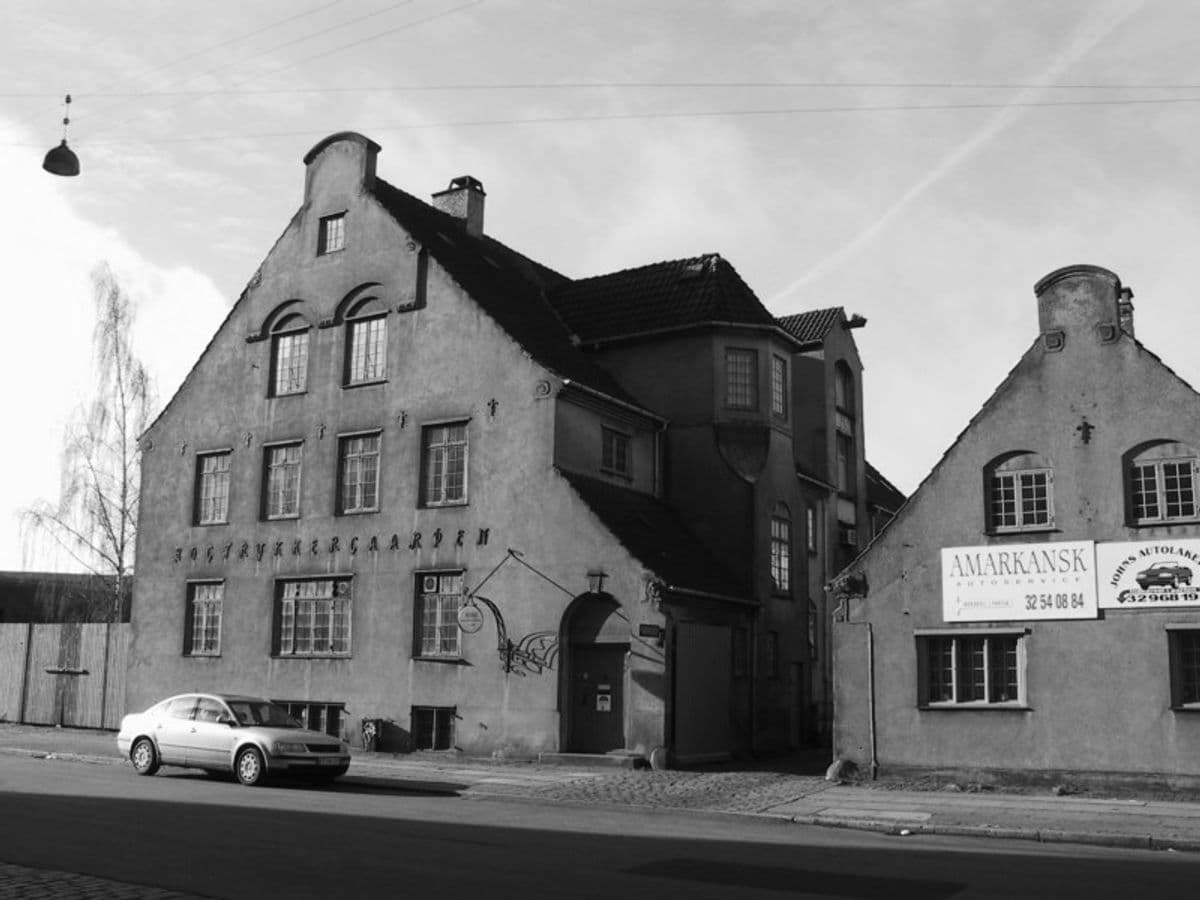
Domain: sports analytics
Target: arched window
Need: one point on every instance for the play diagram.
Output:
(845, 472)
(781, 548)
(843, 388)
(366, 342)
(289, 355)
(1019, 493)
(1160, 483)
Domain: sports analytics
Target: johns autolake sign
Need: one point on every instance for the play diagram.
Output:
(1149, 574)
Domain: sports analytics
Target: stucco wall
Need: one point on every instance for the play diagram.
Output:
(1098, 691)
(447, 360)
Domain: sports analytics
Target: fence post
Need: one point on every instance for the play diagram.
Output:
(104, 676)
(25, 672)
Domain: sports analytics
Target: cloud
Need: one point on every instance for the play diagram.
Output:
(45, 347)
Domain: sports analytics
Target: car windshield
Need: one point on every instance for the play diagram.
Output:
(262, 712)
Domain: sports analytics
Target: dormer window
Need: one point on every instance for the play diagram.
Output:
(331, 234)
(614, 452)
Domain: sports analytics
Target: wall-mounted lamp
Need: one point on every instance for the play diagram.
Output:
(595, 580)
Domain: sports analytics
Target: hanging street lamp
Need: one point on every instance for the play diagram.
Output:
(61, 160)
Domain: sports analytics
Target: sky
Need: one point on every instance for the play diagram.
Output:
(919, 162)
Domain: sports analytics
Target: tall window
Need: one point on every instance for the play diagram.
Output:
(366, 350)
(281, 498)
(741, 378)
(1020, 494)
(313, 617)
(614, 451)
(332, 234)
(781, 548)
(843, 388)
(844, 464)
(212, 488)
(289, 357)
(980, 669)
(358, 473)
(438, 599)
(1185, 666)
(444, 460)
(810, 527)
(202, 628)
(1162, 484)
(779, 386)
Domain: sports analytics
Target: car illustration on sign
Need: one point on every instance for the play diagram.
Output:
(1164, 575)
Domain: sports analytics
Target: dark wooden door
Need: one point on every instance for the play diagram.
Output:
(597, 697)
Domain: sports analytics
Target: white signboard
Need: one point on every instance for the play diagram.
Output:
(1149, 574)
(1017, 582)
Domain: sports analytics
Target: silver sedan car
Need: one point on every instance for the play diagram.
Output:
(248, 736)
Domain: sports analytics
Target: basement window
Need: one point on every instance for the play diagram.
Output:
(433, 727)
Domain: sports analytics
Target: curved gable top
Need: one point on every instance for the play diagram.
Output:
(290, 314)
(352, 136)
(361, 300)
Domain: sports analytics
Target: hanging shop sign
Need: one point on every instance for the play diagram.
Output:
(470, 618)
(1019, 582)
(1149, 574)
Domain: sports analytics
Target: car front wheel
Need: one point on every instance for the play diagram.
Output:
(144, 757)
(249, 766)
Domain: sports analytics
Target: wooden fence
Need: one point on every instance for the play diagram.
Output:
(68, 674)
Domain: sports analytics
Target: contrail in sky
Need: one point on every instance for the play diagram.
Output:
(1083, 42)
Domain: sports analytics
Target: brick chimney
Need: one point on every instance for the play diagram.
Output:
(1125, 310)
(1080, 303)
(463, 200)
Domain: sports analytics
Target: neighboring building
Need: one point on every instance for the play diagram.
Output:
(419, 477)
(42, 597)
(884, 500)
(1033, 610)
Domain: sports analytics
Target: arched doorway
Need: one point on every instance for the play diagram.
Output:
(595, 636)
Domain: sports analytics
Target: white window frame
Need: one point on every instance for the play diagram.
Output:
(366, 350)
(273, 471)
(205, 606)
(331, 234)
(439, 596)
(1160, 489)
(741, 378)
(925, 640)
(312, 608)
(359, 462)
(436, 456)
(781, 553)
(779, 386)
(289, 362)
(1024, 515)
(212, 487)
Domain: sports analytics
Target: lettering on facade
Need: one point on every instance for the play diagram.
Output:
(258, 550)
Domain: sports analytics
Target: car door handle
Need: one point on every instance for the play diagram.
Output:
(193, 729)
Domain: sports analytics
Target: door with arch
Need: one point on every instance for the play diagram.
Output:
(596, 637)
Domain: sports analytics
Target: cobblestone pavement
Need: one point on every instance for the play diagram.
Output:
(46, 884)
(746, 792)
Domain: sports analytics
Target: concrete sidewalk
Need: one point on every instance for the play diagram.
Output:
(805, 799)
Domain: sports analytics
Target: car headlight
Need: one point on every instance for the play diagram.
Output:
(286, 747)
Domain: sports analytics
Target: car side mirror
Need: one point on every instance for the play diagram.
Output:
(227, 720)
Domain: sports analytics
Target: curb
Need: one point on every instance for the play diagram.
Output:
(1127, 841)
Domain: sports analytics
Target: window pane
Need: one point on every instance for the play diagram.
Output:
(368, 350)
(741, 379)
(1178, 493)
(283, 481)
(1004, 501)
(1002, 669)
(971, 669)
(1189, 666)
(1144, 480)
(778, 386)
(214, 489)
(440, 633)
(941, 670)
(360, 473)
(314, 618)
(446, 464)
(1035, 503)
(290, 362)
(781, 553)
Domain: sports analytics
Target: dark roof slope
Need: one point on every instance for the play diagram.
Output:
(659, 297)
(508, 286)
(656, 535)
(811, 327)
(881, 492)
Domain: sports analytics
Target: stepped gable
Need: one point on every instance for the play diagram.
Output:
(662, 296)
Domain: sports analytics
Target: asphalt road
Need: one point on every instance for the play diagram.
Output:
(188, 832)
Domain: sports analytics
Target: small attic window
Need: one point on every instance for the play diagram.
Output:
(694, 269)
(332, 234)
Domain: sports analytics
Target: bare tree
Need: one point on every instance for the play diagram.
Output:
(95, 518)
